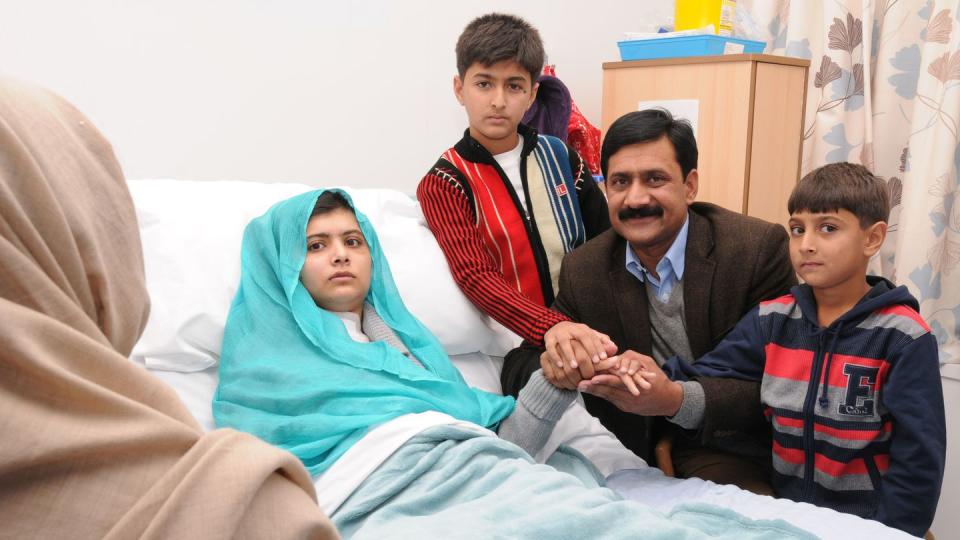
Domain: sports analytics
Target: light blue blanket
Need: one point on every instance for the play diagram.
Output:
(450, 483)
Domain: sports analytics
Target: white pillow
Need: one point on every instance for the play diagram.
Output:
(191, 234)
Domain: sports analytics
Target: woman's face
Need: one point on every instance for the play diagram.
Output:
(338, 264)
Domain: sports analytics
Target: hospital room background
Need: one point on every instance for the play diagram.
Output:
(359, 94)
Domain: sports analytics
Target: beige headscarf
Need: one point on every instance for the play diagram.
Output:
(91, 444)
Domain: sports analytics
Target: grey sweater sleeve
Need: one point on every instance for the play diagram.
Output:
(690, 415)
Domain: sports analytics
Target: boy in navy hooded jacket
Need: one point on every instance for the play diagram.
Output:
(849, 369)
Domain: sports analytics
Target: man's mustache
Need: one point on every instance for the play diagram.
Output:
(653, 210)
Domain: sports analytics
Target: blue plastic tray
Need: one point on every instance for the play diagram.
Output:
(702, 45)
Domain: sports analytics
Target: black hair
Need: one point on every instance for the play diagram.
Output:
(495, 37)
(842, 186)
(647, 126)
(330, 200)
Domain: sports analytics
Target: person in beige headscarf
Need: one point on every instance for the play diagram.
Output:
(93, 446)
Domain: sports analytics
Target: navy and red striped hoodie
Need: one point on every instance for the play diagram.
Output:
(856, 408)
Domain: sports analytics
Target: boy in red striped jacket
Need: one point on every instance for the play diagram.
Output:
(849, 369)
(505, 204)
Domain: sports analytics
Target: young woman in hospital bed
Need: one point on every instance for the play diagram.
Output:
(292, 374)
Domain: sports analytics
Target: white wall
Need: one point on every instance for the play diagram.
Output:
(355, 93)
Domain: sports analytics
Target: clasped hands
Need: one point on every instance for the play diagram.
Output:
(578, 357)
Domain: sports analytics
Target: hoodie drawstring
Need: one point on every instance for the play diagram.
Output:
(824, 401)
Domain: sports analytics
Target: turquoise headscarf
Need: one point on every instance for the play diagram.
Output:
(291, 375)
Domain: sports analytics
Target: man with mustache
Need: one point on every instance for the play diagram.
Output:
(670, 278)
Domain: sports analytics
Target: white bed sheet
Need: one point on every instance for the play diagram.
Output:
(651, 487)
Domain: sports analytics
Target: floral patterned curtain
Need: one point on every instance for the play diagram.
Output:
(884, 91)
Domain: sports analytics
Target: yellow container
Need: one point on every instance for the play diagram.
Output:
(694, 14)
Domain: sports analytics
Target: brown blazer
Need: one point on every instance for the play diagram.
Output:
(732, 263)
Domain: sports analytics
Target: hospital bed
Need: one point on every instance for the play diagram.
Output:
(191, 233)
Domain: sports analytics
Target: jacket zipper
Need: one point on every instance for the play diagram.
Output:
(533, 236)
(809, 455)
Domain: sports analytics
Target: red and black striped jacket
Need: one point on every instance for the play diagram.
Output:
(508, 280)
(856, 408)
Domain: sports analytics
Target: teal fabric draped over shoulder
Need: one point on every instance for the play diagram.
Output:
(291, 375)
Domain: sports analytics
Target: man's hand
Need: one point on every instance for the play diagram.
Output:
(559, 344)
(565, 376)
(653, 394)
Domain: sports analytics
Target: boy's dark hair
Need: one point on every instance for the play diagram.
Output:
(496, 36)
(648, 126)
(842, 186)
(330, 200)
